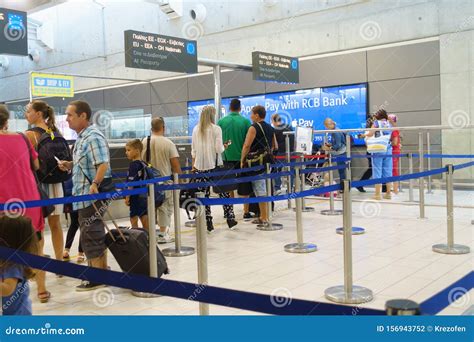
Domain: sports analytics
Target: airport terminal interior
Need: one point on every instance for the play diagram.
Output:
(339, 84)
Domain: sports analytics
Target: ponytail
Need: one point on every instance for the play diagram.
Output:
(47, 113)
(51, 119)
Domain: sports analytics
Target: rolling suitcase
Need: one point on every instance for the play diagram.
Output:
(131, 250)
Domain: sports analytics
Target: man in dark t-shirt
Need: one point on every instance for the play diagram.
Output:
(259, 136)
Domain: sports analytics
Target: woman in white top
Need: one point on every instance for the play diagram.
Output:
(206, 150)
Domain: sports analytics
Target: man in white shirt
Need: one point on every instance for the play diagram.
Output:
(165, 158)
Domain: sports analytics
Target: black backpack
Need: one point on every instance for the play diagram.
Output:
(49, 146)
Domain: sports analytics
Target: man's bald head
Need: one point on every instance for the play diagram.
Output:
(329, 123)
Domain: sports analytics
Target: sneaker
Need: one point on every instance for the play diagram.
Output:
(164, 238)
(277, 192)
(88, 286)
(210, 230)
(248, 217)
(231, 223)
(387, 196)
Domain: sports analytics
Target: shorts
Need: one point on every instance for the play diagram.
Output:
(138, 206)
(243, 189)
(259, 187)
(382, 166)
(93, 230)
(165, 210)
(54, 191)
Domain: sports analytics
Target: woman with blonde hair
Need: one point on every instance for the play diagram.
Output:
(206, 150)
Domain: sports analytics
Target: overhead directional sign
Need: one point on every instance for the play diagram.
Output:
(275, 68)
(52, 85)
(145, 50)
(13, 32)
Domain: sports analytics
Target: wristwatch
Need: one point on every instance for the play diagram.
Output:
(96, 183)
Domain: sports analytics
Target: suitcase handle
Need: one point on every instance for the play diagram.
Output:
(113, 221)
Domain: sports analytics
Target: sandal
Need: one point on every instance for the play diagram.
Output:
(257, 221)
(44, 296)
(81, 258)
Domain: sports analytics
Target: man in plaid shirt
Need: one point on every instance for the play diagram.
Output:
(90, 168)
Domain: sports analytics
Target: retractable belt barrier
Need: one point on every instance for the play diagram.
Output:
(177, 289)
(221, 201)
(217, 295)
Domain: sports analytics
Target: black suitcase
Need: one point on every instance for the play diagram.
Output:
(131, 250)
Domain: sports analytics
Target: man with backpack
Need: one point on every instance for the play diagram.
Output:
(163, 156)
(91, 174)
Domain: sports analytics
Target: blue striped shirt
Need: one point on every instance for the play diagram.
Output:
(91, 150)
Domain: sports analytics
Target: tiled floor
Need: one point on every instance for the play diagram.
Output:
(394, 259)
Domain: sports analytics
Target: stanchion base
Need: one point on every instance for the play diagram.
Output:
(144, 294)
(301, 248)
(190, 224)
(172, 252)
(454, 249)
(272, 226)
(306, 209)
(331, 212)
(358, 295)
(355, 230)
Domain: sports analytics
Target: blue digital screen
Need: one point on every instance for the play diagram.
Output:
(346, 105)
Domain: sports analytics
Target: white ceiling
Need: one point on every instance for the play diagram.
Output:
(29, 6)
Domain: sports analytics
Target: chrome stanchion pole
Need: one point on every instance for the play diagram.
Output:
(348, 156)
(288, 160)
(302, 182)
(400, 187)
(151, 209)
(348, 293)
(450, 247)
(428, 161)
(271, 224)
(192, 223)
(331, 210)
(178, 250)
(421, 188)
(354, 230)
(410, 181)
(201, 243)
(299, 246)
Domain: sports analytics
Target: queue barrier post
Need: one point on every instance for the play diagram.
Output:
(271, 225)
(428, 161)
(331, 211)
(201, 243)
(302, 182)
(402, 307)
(299, 246)
(288, 159)
(410, 184)
(450, 247)
(151, 209)
(192, 223)
(400, 186)
(421, 186)
(178, 250)
(348, 293)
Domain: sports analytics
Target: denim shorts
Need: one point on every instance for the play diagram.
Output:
(259, 187)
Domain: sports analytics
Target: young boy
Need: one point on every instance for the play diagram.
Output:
(136, 169)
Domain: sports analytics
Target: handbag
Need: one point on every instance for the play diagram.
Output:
(46, 210)
(261, 156)
(379, 142)
(228, 175)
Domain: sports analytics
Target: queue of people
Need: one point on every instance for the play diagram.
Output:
(234, 142)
